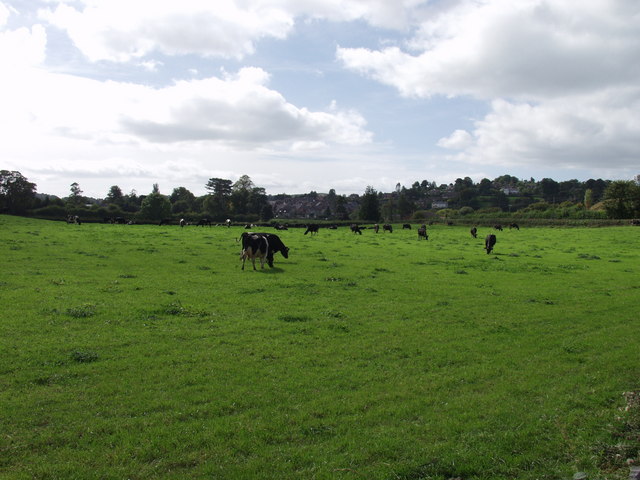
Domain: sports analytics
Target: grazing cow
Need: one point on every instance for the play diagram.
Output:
(514, 225)
(422, 232)
(228, 222)
(332, 227)
(635, 222)
(312, 228)
(498, 227)
(450, 223)
(74, 219)
(474, 232)
(376, 228)
(489, 242)
(279, 226)
(203, 221)
(356, 229)
(164, 221)
(120, 221)
(183, 222)
(387, 228)
(406, 226)
(254, 246)
(275, 245)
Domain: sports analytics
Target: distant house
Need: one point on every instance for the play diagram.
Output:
(510, 191)
(439, 204)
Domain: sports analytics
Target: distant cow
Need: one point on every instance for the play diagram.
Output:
(514, 225)
(489, 242)
(422, 232)
(228, 222)
(474, 232)
(275, 246)
(279, 226)
(254, 246)
(356, 229)
(120, 221)
(498, 227)
(387, 228)
(406, 226)
(376, 228)
(183, 222)
(312, 228)
(164, 221)
(74, 219)
(203, 221)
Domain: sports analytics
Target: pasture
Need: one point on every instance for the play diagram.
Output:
(145, 352)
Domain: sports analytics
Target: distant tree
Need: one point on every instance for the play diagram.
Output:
(257, 200)
(485, 186)
(266, 213)
(240, 194)
(75, 199)
(369, 205)
(622, 199)
(115, 196)
(17, 194)
(588, 198)
(184, 196)
(549, 189)
(341, 208)
(218, 201)
(405, 206)
(155, 206)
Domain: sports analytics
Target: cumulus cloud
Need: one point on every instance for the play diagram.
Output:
(121, 30)
(554, 74)
(228, 28)
(241, 110)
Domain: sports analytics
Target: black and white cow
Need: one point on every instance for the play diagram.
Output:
(254, 246)
(74, 219)
(183, 222)
(356, 229)
(474, 232)
(489, 242)
(422, 232)
(376, 228)
(312, 228)
(274, 245)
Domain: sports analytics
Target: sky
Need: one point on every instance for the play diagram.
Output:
(313, 95)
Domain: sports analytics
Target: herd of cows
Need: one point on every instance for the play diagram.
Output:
(263, 246)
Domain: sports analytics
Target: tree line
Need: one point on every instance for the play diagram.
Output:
(244, 201)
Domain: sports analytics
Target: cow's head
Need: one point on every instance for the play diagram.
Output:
(285, 252)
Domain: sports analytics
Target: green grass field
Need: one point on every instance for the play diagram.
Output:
(140, 352)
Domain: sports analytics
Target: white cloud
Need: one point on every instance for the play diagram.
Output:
(458, 140)
(121, 30)
(561, 79)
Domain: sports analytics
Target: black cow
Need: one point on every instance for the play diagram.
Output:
(275, 246)
(120, 221)
(489, 242)
(474, 232)
(312, 228)
(254, 246)
(203, 222)
(387, 228)
(514, 225)
(498, 227)
(356, 229)
(422, 232)
(406, 226)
